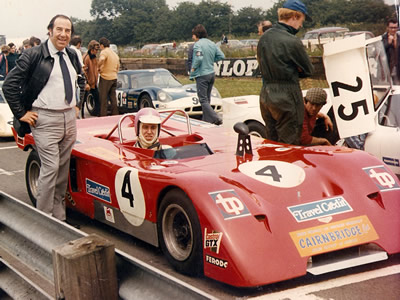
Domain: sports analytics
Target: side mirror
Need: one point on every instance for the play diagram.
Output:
(244, 142)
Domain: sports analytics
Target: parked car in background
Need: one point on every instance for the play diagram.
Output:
(160, 89)
(232, 44)
(145, 50)
(6, 116)
(163, 49)
(114, 48)
(249, 42)
(317, 37)
(129, 49)
(368, 34)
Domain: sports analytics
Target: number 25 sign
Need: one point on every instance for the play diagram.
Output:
(346, 69)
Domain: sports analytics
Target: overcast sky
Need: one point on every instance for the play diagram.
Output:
(20, 19)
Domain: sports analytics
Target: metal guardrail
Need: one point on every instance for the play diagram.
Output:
(27, 237)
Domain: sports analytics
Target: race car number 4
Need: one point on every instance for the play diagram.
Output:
(276, 173)
(130, 196)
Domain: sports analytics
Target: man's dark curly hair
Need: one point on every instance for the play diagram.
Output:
(199, 31)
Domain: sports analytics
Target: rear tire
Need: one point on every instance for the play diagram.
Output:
(179, 233)
(32, 171)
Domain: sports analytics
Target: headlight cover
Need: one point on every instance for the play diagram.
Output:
(215, 93)
(163, 96)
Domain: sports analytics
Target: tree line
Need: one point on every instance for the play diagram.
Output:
(137, 22)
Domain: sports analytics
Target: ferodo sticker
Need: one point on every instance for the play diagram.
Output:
(334, 236)
(130, 196)
(382, 178)
(272, 172)
(216, 261)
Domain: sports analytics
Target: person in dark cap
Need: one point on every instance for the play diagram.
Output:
(283, 60)
(313, 102)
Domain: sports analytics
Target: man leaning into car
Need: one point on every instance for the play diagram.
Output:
(40, 91)
(282, 60)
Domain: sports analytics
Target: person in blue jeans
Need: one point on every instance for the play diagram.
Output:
(205, 53)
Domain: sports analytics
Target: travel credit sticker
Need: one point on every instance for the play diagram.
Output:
(334, 236)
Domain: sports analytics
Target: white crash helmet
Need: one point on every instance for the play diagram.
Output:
(147, 115)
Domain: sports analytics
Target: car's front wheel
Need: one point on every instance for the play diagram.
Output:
(91, 104)
(145, 101)
(32, 171)
(179, 232)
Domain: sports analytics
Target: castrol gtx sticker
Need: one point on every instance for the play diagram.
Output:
(319, 209)
(212, 240)
(382, 178)
(229, 204)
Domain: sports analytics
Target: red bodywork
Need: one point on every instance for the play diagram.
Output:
(262, 216)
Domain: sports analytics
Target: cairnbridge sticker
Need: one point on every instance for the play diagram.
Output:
(338, 235)
(273, 172)
(130, 195)
(319, 209)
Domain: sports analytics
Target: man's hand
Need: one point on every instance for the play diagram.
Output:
(30, 117)
(87, 87)
(77, 110)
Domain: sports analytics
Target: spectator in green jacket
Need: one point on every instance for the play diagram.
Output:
(283, 60)
(205, 53)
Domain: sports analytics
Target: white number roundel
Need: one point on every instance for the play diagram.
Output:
(272, 172)
(130, 195)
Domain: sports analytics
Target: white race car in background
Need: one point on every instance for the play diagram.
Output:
(5, 116)
(361, 99)
(247, 109)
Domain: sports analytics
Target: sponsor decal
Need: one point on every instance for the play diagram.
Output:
(334, 236)
(319, 209)
(212, 240)
(236, 67)
(391, 161)
(382, 178)
(98, 190)
(109, 214)
(229, 204)
(216, 261)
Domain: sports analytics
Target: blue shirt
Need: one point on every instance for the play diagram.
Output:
(205, 53)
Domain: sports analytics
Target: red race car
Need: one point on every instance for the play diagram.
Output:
(246, 212)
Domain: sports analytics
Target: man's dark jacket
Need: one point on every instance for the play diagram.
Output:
(31, 73)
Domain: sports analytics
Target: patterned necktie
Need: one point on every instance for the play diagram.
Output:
(66, 78)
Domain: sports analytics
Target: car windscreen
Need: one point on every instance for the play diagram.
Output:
(182, 152)
(158, 79)
(379, 71)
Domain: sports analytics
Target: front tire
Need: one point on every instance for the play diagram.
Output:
(32, 171)
(179, 233)
(145, 101)
(91, 104)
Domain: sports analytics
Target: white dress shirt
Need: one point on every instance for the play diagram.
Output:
(52, 95)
